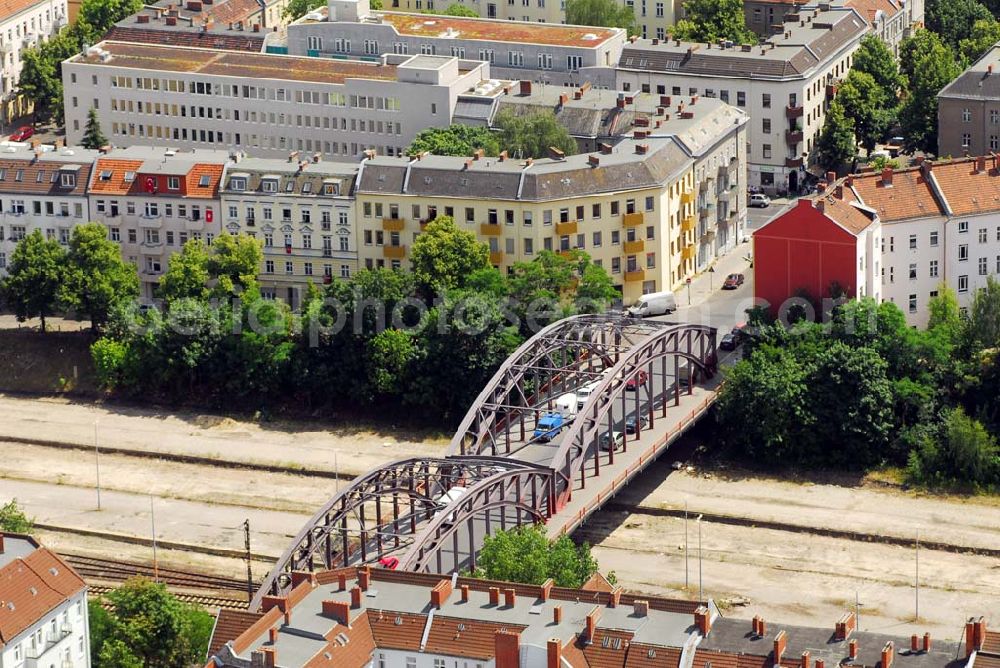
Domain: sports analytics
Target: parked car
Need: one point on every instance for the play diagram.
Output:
(759, 199)
(615, 437)
(630, 423)
(656, 303)
(636, 380)
(23, 133)
(733, 339)
(732, 281)
(389, 562)
(549, 426)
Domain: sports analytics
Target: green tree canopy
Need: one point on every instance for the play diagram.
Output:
(13, 519)
(963, 454)
(953, 20)
(864, 102)
(984, 316)
(836, 144)
(714, 20)
(604, 13)
(525, 555)
(96, 17)
(932, 67)
(31, 286)
(531, 136)
(444, 256)
(296, 9)
(873, 57)
(187, 274)
(456, 139)
(985, 33)
(93, 137)
(96, 279)
(234, 261)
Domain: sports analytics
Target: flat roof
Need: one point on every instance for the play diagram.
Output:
(149, 57)
(497, 30)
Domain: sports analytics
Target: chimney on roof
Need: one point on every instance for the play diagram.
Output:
(317, 156)
(593, 160)
(577, 94)
(927, 642)
(507, 649)
(256, 27)
(640, 608)
(838, 192)
(831, 177)
(980, 164)
(640, 134)
(524, 88)
(298, 577)
(641, 149)
(694, 99)
(272, 635)
(616, 597)
(342, 581)
(171, 20)
(142, 18)
(355, 597)
(780, 642)
(989, 70)
(292, 156)
(364, 577)
(703, 620)
(655, 41)
(546, 589)
(820, 663)
(441, 593)
(926, 167)
(980, 632)
(557, 614)
(620, 103)
(591, 628)
(509, 597)
(268, 602)
(563, 99)
(605, 148)
(852, 649)
(849, 180)
(478, 153)
(528, 162)
(270, 657)
(288, 617)
(555, 153)
(887, 655)
(820, 205)
(554, 647)
(468, 163)
(887, 177)
(465, 593)
(914, 643)
(494, 596)
(755, 623)
(337, 610)
(821, 186)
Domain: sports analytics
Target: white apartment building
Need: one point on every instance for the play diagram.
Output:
(784, 84)
(44, 620)
(41, 188)
(23, 24)
(302, 211)
(153, 200)
(562, 55)
(267, 105)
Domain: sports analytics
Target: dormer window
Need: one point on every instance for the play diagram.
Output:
(173, 183)
(269, 185)
(290, 186)
(40, 176)
(68, 180)
(204, 181)
(238, 183)
(129, 177)
(307, 187)
(105, 175)
(331, 189)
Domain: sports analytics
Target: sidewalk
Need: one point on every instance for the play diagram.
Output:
(709, 283)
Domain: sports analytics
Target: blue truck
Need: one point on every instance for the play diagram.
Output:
(549, 426)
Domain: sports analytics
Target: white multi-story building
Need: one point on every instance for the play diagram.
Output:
(44, 619)
(784, 84)
(302, 211)
(23, 24)
(267, 105)
(41, 188)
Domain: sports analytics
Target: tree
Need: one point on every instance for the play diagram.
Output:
(187, 274)
(92, 136)
(13, 519)
(933, 69)
(953, 20)
(38, 82)
(31, 286)
(456, 9)
(96, 278)
(864, 102)
(964, 453)
(604, 13)
(984, 316)
(96, 17)
(532, 135)
(873, 57)
(456, 139)
(116, 654)
(985, 33)
(233, 263)
(836, 144)
(714, 20)
(525, 555)
(444, 256)
(945, 314)
(912, 48)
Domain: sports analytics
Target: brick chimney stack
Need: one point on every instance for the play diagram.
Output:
(887, 655)
(780, 642)
(554, 647)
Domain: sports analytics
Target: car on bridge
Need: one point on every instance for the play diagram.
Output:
(549, 426)
(615, 437)
(630, 423)
(567, 404)
(448, 498)
(635, 381)
(583, 393)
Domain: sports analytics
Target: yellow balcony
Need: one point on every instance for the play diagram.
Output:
(632, 219)
(496, 257)
(489, 230)
(635, 276)
(568, 227)
(688, 252)
(687, 197)
(688, 223)
(394, 252)
(393, 224)
(568, 254)
(633, 247)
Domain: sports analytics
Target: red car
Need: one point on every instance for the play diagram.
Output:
(635, 381)
(389, 562)
(733, 281)
(23, 133)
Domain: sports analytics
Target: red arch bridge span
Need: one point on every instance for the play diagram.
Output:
(567, 420)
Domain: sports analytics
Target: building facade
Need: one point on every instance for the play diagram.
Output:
(969, 109)
(785, 85)
(41, 188)
(44, 619)
(267, 105)
(303, 213)
(24, 24)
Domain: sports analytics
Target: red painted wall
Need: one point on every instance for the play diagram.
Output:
(802, 249)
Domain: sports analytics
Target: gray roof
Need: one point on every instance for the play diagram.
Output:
(16, 547)
(315, 174)
(980, 81)
(473, 110)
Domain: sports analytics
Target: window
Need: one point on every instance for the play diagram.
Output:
(963, 252)
(963, 283)
(934, 238)
(982, 235)
(204, 180)
(767, 150)
(913, 271)
(913, 303)
(913, 242)
(963, 226)
(173, 183)
(741, 99)
(238, 183)
(933, 269)
(268, 266)
(966, 115)
(650, 201)
(766, 101)
(766, 125)
(966, 139)
(982, 266)
(314, 43)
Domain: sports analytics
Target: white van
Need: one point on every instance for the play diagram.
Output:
(448, 498)
(655, 303)
(583, 393)
(566, 404)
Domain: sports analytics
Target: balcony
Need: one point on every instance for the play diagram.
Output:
(394, 252)
(151, 222)
(633, 247)
(568, 254)
(635, 276)
(793, 137)
(724, 196)
(151, 248)
(496, 257)
(393, 224)
(194, 225)
(687, 197)
(633, 219)
(793, 163)
(489, 229)
(794, 112)
(688, 252)
(569, 227)
(709, 235)
(688, 223)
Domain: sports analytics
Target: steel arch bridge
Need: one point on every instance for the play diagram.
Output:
(432, 513)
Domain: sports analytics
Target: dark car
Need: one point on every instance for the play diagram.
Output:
(616, 436)
(635, 381)
(733, 281)
(23, 133)
(630, 424)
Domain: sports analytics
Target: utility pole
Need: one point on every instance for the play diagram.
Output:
(246, 536)
(336, 473)
(97, 460)
(701, 595)
(916, 579)
(857, 610)
(685, 545)
(152, 515)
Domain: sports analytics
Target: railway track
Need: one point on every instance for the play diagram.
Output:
(193, 599)
(109, 570)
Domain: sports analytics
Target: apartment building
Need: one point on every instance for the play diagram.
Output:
(358, 617)
(562, 55)
(153, 200)
(41, 188)
(43, 619)
(652, 210)
(267, 105)
(890, 20)
(23, 24)
(784, 84)
(302, 211)
(969, 109)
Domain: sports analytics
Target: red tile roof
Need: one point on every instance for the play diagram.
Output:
(909, 196)
(193, 178)
(36, 176)
(229, 625)
(347, 646)
(844, 214)
(869, 8)
(465, 637)
(992, 642)
(116, 184)
(967, 189)
(403, 635)
(233, 11)
(642, 655)
(196, 38)
(609, 648)
(9, 8)
(31, 587)
(597, 582)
